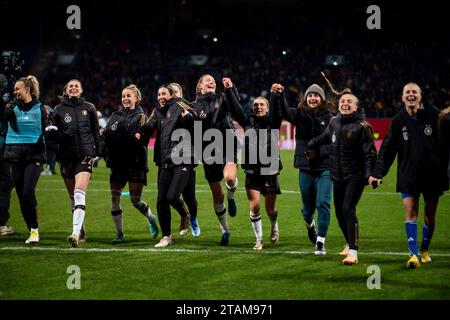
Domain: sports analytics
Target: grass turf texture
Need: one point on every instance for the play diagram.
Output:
(203, 269)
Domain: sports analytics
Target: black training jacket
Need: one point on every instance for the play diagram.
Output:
(78, 133)
(250, 121)
(214, 113)
(421, 164)
(353, 153)
(122, 148)
(309, 124)
(166, 120)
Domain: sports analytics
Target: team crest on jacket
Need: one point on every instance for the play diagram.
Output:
(428, 130)
(114, 126)
(84, 112)
(333, 138)
(202, 115)
(67, 118)
(405, 133)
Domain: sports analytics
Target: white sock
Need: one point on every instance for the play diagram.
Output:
(321, 239)
(35, 230)
(77, 221)
(150, 216)
(257, 225)
(118, 222)
(231, 189)
(352, 253)
(79, 212)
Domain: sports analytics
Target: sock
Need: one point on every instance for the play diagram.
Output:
(255, 218)
(411, 234)
(231, 189)
(79, 212)
(274, 221)
(220, 212)
(117, 219)
(115, 200)
(143, 208)
(321, 239)
(352, 253)
(35, 230)
(149, 215)
(427, 234)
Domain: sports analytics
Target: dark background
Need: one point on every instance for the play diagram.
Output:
(149, 43)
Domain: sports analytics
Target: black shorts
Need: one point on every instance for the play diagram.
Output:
(124, 175)
(264, 184)
(213, 172)
(71, 167)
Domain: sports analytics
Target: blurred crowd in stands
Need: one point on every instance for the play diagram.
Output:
(375, 75)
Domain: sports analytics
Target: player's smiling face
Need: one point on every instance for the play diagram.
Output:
(21, 92)
(260, 107)
(129, 99)
(163, 96)
(412, 96)
(313, 100)
(74, 89)
(208, 84)
(348, 104)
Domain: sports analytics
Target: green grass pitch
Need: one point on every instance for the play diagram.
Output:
(199, 268)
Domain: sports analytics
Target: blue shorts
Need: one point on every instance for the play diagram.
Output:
(428, 196)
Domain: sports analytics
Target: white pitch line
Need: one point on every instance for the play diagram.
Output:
(106, 250)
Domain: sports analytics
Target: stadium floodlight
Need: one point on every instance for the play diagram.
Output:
(334, 60)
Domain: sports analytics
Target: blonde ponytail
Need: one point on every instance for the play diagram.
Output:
(33, 84)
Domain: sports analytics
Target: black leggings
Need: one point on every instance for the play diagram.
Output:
(26, 176)
(6, 185)
(188, 197)
(171, 182)
(346, 197)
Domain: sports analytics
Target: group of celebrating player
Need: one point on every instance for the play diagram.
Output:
(335, 155)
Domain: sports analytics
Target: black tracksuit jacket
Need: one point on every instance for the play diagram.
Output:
(166, 120)
(122, 149)
(213, 110)
(250, 121)
(353, 153)
(422, 158)
(78, 133)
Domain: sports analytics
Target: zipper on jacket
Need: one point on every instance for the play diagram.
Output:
(78, 129)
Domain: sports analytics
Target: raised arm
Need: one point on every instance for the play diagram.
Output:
(290, 114)
(235, 108)
(274, 110)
